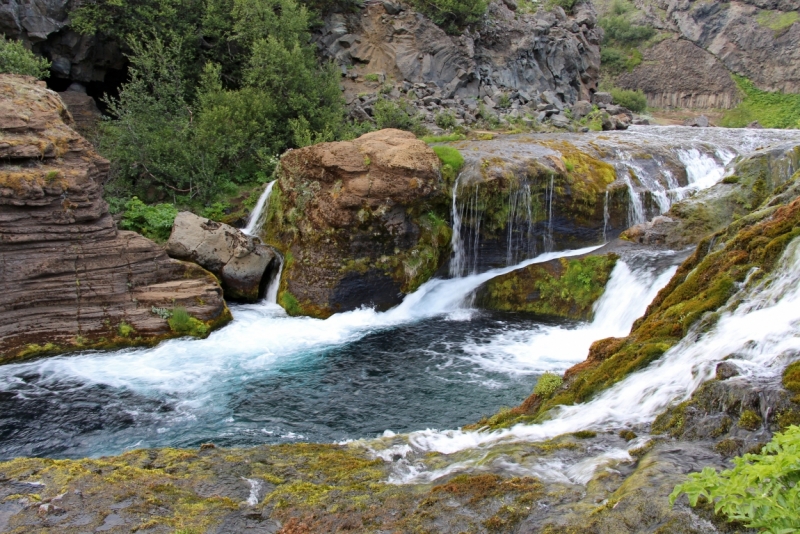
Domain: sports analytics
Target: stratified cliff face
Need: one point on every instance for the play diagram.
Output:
(68, 278)
(531, 53)
(758, 39)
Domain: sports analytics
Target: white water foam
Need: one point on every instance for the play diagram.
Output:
(261, 335)
(762, 334)
(555, 348)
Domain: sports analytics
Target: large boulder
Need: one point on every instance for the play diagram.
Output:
(68, 278)
(359, 222)
(240, 261)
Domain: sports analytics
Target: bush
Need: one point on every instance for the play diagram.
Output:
(154, 222)
(547, 385)
(633, 100)
(619, 29)
(762, 490)
(16, 59)
(398, 114)
(452, 15)
(446, 120)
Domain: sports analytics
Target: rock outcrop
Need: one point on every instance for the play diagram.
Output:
(240, 261)
(68, 278)
(564, 288)
(505, 64)
(359, 222)
(752, 38)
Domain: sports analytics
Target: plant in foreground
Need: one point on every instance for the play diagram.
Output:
(761, 490)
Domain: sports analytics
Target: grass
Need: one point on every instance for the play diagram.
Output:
(777, 21)
(771, 110)
(447, 138)
(183, 323)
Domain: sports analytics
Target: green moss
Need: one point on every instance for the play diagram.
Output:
(547, 384)
(452, 162)
(446, 138)
(564, 288)
(585, 434)
(791, 377)
(125, 330)
(290, 303)
(777, 21)
(750, 420)
(727, 447)
(183, 323)
(627, 435)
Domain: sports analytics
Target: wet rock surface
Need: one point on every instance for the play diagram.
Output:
(69, 278)
(359, 222)
(241, 262)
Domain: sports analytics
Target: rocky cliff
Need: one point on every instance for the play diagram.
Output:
(68, 278)
(358, 222)
(757, 39)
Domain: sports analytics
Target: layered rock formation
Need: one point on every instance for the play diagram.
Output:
(752, 38)
(358, 222)
(511, 55)
(241, 262)
(68, 278)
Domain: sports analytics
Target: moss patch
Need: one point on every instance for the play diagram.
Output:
(561, 288)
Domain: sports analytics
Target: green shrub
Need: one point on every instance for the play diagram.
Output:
(154, 221)
(446, 120)
(398, 114)
(452, 15)
(772, 110)
(633, 100)
(761, 491)
(16, 59)
(124, 329)
(618, 29)
(616, 60)
(547, 385)
(183, 323)
(371, 77)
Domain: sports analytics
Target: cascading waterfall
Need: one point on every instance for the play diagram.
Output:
(606, 217)
(763, 332)
(254, 222)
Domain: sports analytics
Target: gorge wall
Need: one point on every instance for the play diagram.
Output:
(68, 278)
(757, 39)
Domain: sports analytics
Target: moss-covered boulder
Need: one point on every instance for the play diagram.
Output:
(754, 179)
(701, 286)
(565, 287)
(360, 223)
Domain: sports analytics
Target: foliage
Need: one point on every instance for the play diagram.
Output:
(772, 110)
(399, 114)
(154, 222)
(182, 323)
(547, 384)
(762, 490)
(615, 60)
(619, 30)
(452, 15)
(194, 121)
(621, 38)
(16, 59)
(446, 120)
(452, 161)
(627, 98)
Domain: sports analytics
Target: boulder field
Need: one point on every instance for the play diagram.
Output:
(69, 279)
(358, 222)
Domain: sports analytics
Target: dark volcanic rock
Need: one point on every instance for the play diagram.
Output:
(68, 277)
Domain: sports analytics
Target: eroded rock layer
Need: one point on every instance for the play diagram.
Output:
(359, 222)
(68, 277)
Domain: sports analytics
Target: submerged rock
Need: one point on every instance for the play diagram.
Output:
(359, 222)
(240, 261)
(68, 278)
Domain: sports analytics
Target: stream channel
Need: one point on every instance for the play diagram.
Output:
(430, 364)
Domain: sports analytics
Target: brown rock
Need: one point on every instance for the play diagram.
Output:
(354, 220)
(68, 278)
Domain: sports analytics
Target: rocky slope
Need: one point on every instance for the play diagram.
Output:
(752, 38)
(392, 50)
(358, 222)
(69, 279)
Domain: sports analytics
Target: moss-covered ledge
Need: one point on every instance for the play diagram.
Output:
(564, 287)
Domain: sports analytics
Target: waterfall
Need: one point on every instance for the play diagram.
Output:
(271, 295)
(254, 222)
(456, 243)
(606, 217)
(636, 213)
(762, 332)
